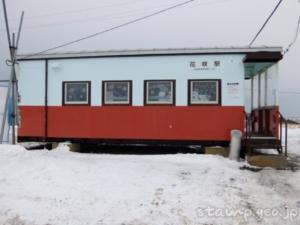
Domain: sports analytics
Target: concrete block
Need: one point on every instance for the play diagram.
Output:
(222, 151)
(274, 161)
(55, 145)
(74, 147)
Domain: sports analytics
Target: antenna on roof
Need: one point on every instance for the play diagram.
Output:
(11, 102)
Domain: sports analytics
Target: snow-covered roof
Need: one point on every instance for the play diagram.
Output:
(151, 52)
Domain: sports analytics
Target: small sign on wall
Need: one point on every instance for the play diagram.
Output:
(233, 89)
(205, 65)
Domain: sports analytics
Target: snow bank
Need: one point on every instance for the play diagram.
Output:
(294, 139)
(61, 187)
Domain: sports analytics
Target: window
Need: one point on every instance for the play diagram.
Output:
(204, 92)
(159, 92)
(116, 92)
(76, 93)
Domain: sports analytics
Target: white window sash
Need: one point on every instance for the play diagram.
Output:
(204, 102)
(76, 102)
(159, 102)
(107, 102)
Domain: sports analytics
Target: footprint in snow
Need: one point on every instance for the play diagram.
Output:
(184, 175)
(157, 201)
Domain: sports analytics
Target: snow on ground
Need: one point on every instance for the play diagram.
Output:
(60, 187)
(294, 140)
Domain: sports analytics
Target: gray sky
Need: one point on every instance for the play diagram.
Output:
(203, 23)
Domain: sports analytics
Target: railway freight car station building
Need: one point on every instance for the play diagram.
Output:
(159, 95)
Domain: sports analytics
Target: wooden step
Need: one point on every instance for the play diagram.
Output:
(259, 141)
(262, 142)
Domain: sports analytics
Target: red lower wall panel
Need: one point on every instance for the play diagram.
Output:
(32, 121)
(209, 123)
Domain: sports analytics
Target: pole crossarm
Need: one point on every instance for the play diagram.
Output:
(12, 87)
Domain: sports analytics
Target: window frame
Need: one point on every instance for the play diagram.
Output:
(173, 82)
(118, 103)
(64, 83)
(219, 94)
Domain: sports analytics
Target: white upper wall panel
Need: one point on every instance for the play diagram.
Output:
(31, 82)
(138, 69)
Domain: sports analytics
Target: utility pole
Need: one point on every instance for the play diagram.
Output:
(13, 43)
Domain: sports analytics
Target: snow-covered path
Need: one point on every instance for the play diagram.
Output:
(61, 187)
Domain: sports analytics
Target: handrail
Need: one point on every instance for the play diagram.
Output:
(283, 120)
(248, 124)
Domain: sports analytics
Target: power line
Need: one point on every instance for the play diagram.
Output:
(102, 17)
(265, 23)
(295, 38)
(208, 2)
(289, 92)
(109, 16)
(280, 92)
(214, 2)
(80, 10)
(111, 29)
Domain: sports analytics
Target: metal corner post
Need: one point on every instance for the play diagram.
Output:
(12, 89)
(46, 102)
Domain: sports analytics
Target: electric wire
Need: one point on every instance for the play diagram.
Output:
(79, 11)
(290, 92)
(106, 17)
(111, 29)
(203, 2)
(109, 17)
(281, 92)
(212, 2)
(265, 23)
(295, 38)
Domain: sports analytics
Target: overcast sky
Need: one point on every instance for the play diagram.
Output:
(202, 23)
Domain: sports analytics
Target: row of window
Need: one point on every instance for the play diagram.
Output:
(156, 92)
